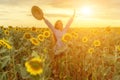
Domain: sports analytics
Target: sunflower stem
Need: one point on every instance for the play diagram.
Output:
(13, 61)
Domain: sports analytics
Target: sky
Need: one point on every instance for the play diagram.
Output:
(89, 13)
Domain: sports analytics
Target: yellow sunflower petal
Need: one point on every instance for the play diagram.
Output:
(84, 39)
(96, 43)
(66, 37)
(34, 66)
(46, 34)
(91, 50)
(40, 37)
(34, 41)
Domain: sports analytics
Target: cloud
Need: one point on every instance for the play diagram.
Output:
(10, 2)
(21, 3)
(3, 11)
(78, 3)
(20, 9)
(63, 3)
(1, 14)
(108, 17)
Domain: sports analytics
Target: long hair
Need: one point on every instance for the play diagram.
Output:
(59, 25)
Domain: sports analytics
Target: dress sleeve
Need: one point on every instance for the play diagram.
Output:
(69, 23)
(49, 24)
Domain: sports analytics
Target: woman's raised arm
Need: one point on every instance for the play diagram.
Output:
(69, 22)
(49, 24)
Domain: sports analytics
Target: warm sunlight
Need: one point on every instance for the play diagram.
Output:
(86, 11)
(59, 39)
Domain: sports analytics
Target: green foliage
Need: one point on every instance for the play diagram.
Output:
(76, 63)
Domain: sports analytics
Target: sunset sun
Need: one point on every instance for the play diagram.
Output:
(86, 11)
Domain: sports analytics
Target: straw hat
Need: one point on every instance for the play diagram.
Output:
(37, 12)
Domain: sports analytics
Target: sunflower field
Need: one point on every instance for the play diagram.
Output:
(91, 54)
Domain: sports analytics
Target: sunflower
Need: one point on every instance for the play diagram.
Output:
(118, 47)
(96, 43)
(4, 29)
(74, 35)
(84, 39)
(3, 43)
(108, 29)
(94, 32)
(34, 29)
(40, 37)
(46, 34)
(27, 35)
(90, 50)
(6, 32)
(34, 66)
(42, 30)
(7, 46)
(38, 31)
(10, 27)
(66, 37)
(1, 27)
(34, 41)
(16, 28)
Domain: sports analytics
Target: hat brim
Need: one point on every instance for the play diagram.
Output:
(37, 12)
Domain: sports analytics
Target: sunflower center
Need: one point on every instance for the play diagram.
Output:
(28, 36)
(33, 29)
(41, 37)
(35, 41)
(91, 50)
(97, 43)
(46, 34)
(67, 38)
(6, 33)
(36, 65)
(84, 39)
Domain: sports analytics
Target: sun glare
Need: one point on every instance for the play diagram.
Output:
(86, 11)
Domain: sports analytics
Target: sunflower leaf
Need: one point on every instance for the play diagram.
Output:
(20, 69)
(3, 76)
(35, 54)
(4, 61)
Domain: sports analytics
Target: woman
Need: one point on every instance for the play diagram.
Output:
(59, 47)
(58, 32)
